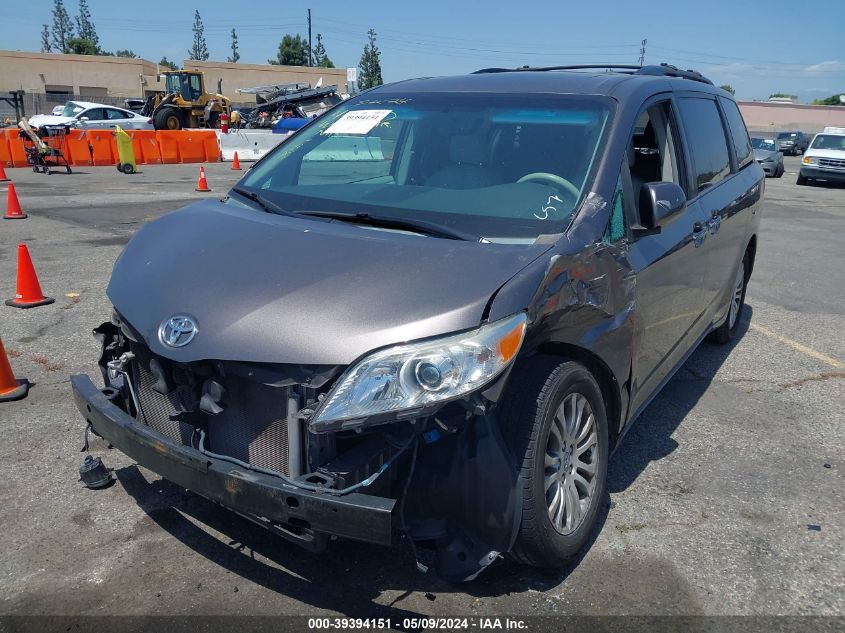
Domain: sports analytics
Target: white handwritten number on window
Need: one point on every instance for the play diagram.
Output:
(544, 212)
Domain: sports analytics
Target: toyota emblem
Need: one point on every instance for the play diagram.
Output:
(177, 331)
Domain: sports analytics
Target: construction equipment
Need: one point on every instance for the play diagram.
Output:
(287, 101)
(185, 103)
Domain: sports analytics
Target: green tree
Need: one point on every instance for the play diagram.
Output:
(126, 53)
(167, 63)
(235, 54)
(320, 58)
(62, 30)
(370, 64)
(45, 39)
(831, 100)
(293, 51)
(82, 46)
(85, 26)
(728, 88)
(782, 95)
(198, 50)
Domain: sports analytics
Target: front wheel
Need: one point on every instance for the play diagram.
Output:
(553, 417)
(801, 180)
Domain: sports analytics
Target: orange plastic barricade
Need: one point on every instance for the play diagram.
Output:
(5, 150)
(188, 146)
(145, 146)
(104, 147)
(16, 151)
(168, 146)
(76, 146)
(211, 146)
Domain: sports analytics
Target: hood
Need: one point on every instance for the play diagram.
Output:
(765, 154)
(51, 119)
(836, 154)
(275, 289)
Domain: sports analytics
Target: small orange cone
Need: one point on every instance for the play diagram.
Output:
(28, 294)
(13, 207)
(10, 387)
(236, 164)
(202, 183)
(3, 176)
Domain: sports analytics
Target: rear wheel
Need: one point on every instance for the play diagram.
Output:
(169, 119)
(727, 331)
(554, 419)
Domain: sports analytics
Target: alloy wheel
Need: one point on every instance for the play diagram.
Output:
(736, 300)
(570, 463)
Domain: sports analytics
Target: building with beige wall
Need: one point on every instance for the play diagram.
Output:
(763, 116)
(103, 78)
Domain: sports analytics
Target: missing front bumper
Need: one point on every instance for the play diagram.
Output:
(354, 515)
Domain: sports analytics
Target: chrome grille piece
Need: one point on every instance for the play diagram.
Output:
(832, 162)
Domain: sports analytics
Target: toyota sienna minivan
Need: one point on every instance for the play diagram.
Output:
(428, 317)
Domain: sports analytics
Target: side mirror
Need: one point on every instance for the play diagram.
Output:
(659, 202)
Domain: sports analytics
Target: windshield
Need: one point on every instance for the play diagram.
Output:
(72, 109)
(829, 141)
(787, 135)
(763, 143)
(489, 165)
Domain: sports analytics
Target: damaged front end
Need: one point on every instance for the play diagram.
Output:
(403, 442)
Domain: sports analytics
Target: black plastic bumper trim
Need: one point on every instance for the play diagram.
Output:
(355, 515)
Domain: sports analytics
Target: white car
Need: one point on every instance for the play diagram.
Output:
(825, 158)
(95, 116)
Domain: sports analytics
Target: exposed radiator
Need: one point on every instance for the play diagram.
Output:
(252, 428)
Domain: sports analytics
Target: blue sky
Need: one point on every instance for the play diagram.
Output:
(736, 42)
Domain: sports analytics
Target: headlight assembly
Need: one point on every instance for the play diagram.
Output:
(405, 379)
(810, 160)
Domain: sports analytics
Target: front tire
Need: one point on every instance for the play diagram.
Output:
(553, 417)
(801, 180)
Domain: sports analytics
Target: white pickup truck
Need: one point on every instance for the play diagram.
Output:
(825, 158)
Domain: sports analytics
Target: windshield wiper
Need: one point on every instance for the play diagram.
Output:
(267, 205)
(402, 224)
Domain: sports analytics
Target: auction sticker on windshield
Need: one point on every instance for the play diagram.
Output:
(357, 122)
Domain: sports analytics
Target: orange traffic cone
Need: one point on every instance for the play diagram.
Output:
(236, 164)
(10, 387)
(13, 207)
(3, 176)
(202, 183)
(28, 294)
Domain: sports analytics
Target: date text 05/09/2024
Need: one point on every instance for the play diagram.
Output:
(447, 624)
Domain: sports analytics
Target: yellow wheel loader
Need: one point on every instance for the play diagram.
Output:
(185, 103)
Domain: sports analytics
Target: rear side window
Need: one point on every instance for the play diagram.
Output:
(739, 133)
(706, 138)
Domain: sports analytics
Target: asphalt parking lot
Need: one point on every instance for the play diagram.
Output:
(725, 499)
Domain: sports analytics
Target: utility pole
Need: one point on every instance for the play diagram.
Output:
(310, 56)
(642, 50)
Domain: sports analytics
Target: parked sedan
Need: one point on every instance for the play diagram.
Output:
(93, 116)
(766, 153)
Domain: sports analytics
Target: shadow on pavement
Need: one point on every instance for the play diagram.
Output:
(650, 438)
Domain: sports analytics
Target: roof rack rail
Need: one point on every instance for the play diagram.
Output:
(667, 70)
(607, 67)
(663, 70)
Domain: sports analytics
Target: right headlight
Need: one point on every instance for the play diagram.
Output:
(810, 160)
(407, 378)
